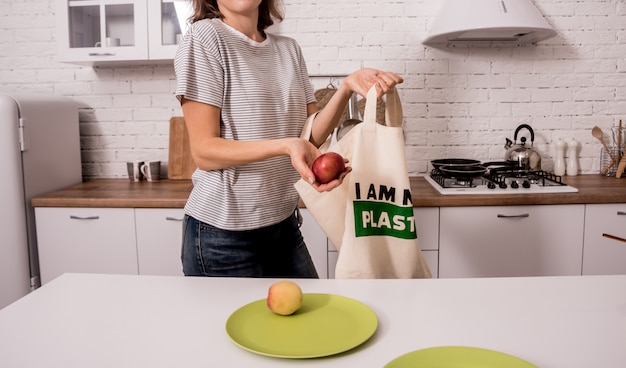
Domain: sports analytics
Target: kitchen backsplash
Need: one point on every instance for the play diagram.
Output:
(459, 101)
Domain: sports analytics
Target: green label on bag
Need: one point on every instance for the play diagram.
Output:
(380, 218)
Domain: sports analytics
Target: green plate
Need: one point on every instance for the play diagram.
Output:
(457, 357)
(325, 324)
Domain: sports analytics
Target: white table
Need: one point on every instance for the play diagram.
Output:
(149, 321)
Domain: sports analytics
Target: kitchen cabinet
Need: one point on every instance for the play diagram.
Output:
(549, 241)
(159, 240)
(316, 242)
(167, 23)
(145, 241)
(94, 32)
(427, 225)
(603, 255)
(499, 241)
(484, 241)
(92, 240)
(84, 26)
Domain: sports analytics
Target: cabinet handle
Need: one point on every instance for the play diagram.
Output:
(621, 213)
(614, 237)
(84, 218)
(170, 218)
(513, 216)
(101, 54)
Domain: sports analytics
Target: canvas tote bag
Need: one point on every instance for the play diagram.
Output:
(369, 218)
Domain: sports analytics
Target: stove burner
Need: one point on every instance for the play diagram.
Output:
(499, 178)
(452, 181)
(510, 178)
(464, 182)
(514, 177)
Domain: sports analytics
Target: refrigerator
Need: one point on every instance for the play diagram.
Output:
(39, 153)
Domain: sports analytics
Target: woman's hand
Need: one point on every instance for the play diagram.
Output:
(333, 183)
(359, 82)
(362, 80)
(303, 153)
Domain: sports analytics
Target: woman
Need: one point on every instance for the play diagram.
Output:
(245, 96)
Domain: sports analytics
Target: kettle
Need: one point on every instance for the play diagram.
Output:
(524, 156)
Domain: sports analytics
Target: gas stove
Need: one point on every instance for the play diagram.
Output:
(499, 181)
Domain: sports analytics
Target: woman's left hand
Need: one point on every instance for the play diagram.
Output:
(362, 80)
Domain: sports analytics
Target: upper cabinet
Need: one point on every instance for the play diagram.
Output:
(92, 32)
(167, 23)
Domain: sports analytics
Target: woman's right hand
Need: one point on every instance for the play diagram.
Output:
(303, 153)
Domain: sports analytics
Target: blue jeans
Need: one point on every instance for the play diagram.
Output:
(274, 251)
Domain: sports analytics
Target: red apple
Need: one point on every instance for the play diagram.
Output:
(327, 167)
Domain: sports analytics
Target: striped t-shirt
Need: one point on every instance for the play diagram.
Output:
(262, 89)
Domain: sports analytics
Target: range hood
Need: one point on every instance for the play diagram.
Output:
(488, 21)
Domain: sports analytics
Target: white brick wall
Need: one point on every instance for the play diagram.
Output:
(458, 101)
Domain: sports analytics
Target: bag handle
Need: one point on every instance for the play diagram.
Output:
(393, 107)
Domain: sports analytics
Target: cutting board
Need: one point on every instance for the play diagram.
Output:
(180, 165)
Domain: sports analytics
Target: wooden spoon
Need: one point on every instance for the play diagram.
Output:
(619, 141)
(621, 167)
(599, 135)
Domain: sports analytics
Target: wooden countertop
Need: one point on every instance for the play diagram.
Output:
(591, 189)
(174, 193)
(119, 193)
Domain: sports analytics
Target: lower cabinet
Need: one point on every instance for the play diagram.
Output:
(481, 241)
(159, 240)
(500, 241)
(316, 242)
(85, 240)
(108, 240)
(604, 252)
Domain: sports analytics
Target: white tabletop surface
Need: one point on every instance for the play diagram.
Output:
(149, 321)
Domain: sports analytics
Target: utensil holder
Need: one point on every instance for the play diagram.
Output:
(605, 161)
(619, 137)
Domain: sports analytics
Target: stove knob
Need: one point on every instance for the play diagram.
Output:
(526, 184)
(491, 185)
(502, 185)
(514, 185)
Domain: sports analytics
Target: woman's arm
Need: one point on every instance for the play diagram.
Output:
(212, 152)
(358, 82)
